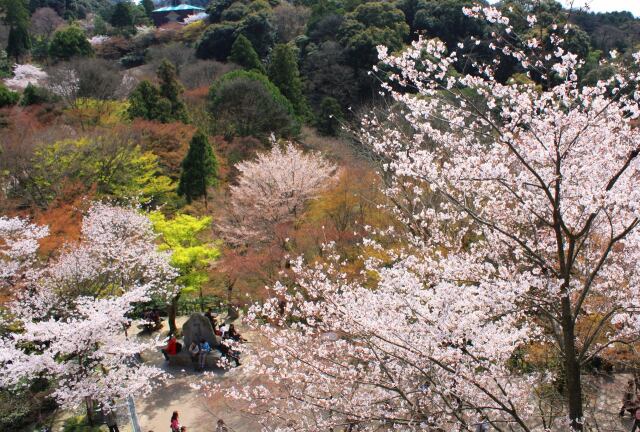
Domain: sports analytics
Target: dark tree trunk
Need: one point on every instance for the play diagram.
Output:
(173, 310)
(572, 367)
(90, 417)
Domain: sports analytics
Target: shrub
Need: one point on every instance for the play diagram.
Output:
(35, 95)
(68, 43)
(193, 31)
(247, 103)
(132, 60)
(8, 97)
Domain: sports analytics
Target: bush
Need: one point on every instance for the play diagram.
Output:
(132, 60)
(16, 410)
(34, 95)
(78, 424)
(193, 31)
(247, 103)
(7, 97)
(68, 43)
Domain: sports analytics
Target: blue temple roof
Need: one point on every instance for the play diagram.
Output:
(178, 8)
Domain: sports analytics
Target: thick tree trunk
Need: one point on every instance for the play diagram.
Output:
(173, 310)
(90, 417)
(572, 367)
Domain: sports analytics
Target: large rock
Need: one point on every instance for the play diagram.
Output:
(197, 328)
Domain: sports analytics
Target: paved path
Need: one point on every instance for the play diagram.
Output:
(198, 412)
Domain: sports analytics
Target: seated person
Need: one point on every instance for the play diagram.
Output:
(234, 335)
(194, 350)
(205, 349)
(171, 348)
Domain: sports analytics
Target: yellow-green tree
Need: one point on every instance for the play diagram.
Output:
(191, 254)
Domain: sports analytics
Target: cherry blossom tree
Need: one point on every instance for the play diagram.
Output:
(272, 190)
(521, 207)
(25, 74)
(70, 313)
(18, 245)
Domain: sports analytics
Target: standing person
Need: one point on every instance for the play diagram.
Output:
(212, 319)
(205, 349)
(221, 426)
(171, 348)
(175, 423)
(628, 398)
(112, 421)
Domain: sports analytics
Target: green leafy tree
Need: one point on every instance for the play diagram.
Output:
(329, 116)
(70, 42)
(370, 25)
(216, 41)
(445, 20)
(199, 169)
(114, 165)
(34, 95)
(171, 90)
(148, 7)
(122, 15)
(145, 102)
(284, 73)
(190, 255)
(7, 97)
(259, 29)
(161, 103)
(243, 54)
(16, 17)
(246, 103)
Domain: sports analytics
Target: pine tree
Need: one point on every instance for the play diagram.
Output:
(148, 7)
(17, 19)
(122, 16)
(284, 73)
(199, 169)
(144, 102)
(243, 54)
(171, 90)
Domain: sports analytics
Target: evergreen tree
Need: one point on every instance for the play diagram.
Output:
(284, 73)
(16, 17)
(171, 90)
(199, 169)
(148, 7)
(122, 15)
(329, 116)
(145, 102)
(243, 54)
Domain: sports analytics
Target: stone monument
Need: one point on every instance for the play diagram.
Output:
(197, 328)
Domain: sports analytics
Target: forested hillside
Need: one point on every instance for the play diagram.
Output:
(231, 145)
